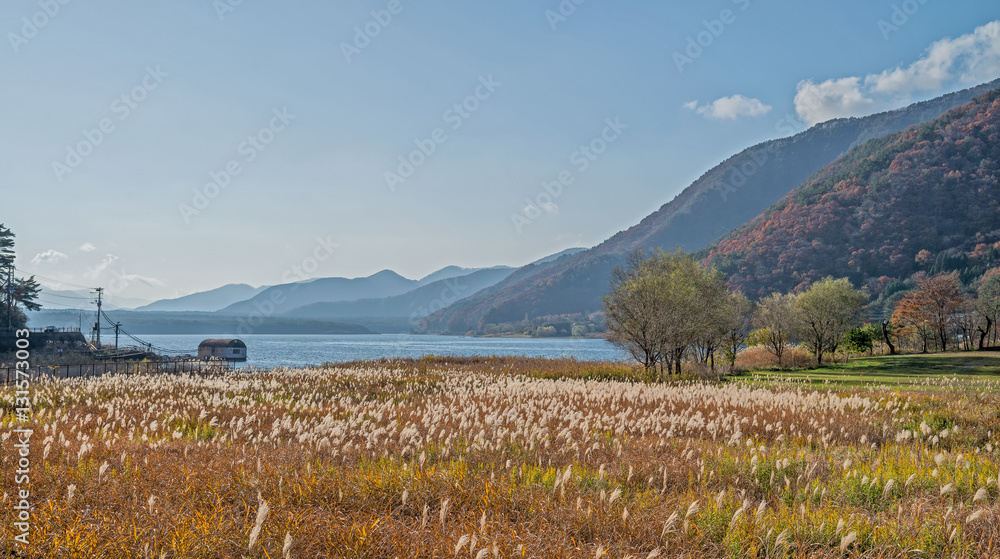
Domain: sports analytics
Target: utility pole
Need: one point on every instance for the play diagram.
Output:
(117, 326)
(97, 326)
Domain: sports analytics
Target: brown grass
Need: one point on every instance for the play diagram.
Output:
(758, 358)
(509, 458)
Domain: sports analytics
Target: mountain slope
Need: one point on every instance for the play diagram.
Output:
(446, 273)
(413, 304)
(207, 301)
(926, 199)
(723, 198)
(480, 302)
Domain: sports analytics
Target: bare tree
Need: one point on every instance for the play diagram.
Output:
(736, 327)
(773, 322)
(988, 306)
(631, 308)
(665, 307)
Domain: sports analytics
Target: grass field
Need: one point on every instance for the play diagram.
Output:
(508, 457)
(899, 371)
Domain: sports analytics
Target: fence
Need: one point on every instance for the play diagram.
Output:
(8, 375)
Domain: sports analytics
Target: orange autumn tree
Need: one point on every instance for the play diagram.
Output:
(931, 309)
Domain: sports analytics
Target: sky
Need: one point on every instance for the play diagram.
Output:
(162, 148)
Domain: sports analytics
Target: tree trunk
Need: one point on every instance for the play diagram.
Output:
(984, 333)
(885, 334)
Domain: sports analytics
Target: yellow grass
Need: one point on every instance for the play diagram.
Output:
(501, 458)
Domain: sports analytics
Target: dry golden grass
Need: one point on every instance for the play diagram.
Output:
(758, 358)
(494, 457)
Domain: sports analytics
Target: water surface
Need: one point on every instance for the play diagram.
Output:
(265, 350)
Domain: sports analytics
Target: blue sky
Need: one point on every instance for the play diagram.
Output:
(160, 148)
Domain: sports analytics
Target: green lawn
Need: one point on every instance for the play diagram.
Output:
(959, 369)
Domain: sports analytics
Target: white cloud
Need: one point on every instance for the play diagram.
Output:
(87, 247)
(49, 256)
(730, 108)
(971, 58)
(96, 271)
(818, 102)
(967, 60)
(530, 210)
(129, 278)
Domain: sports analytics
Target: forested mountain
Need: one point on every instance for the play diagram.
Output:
(723, 198)
(925, 199)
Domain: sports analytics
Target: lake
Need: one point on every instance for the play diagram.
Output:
(267, 351)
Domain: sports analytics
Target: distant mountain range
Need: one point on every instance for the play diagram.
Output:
(206, 301)
(413, 305)
(724, 198)
(925, 199)
(384, 301)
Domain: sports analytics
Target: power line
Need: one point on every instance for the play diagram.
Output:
(64, 304)
(88, 288)
(140, 341)
(49, 294)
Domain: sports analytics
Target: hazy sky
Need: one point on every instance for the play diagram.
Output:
(159, 148)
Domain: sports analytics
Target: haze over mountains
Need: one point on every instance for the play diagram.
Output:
(206, 301)
(725, 197)
(384, 301)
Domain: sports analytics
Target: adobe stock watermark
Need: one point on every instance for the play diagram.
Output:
(248, 150)
(364, 34)
(705, 38)
(562, 13)
(899, 17)
(33, 24)
(225, 7)
(580, 159)
(454, 117)
(268, 306)
(122, 108)
(787, 126)
(21, 457)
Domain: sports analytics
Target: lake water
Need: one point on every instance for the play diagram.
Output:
(297, 350)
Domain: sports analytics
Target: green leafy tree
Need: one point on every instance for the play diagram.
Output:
(825, 312)
(16, 291)
(861, 339)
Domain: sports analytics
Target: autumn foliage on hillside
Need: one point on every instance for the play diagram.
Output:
(925, 199)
